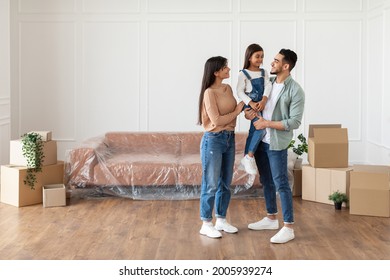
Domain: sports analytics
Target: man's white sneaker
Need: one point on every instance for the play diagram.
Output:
(209, 230)
(249, 164)
(284, 235)
(265, 223)
(222, 224)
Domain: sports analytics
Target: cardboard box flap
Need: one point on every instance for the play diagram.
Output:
(369, 181)
(313, 126)
(372, 168)
(371, 177)
(46, 135)
(330, 135)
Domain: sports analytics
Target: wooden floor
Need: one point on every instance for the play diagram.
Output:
(125, 229)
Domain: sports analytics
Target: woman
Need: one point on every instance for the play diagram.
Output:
(218, 111)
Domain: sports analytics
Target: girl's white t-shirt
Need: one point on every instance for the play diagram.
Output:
(244, 85)
(270, 106)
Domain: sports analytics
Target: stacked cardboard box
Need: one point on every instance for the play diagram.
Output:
(328, 168)
(328, 146)
(13, 189)
(319, 183)
(297, 187)
(17, 158)
(367, 186)
(294, 169)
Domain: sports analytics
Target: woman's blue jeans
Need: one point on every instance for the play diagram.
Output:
(272, 167)
(217, 152)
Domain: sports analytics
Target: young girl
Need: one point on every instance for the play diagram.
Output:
(253, 88)
(218, 110)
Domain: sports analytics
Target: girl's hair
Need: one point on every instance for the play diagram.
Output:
(212, 65)
(250, 50)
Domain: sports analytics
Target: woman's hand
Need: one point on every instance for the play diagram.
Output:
(239, 107)
(250, 114)
(261, 123)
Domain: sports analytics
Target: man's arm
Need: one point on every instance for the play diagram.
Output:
(295, 109)
(261, 123)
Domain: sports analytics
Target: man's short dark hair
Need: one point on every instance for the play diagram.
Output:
(289, 57)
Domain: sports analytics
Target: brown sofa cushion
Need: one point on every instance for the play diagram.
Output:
(190, 143)
(190, 171)
(137, 170)
(143, 142)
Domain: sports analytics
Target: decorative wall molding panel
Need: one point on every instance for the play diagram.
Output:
(137, 65)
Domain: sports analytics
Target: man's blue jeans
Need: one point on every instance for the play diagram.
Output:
(217, 152)
(272, 167)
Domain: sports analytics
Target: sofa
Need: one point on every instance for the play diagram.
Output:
(147, 165)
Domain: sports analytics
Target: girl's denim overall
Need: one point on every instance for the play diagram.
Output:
(254, 136)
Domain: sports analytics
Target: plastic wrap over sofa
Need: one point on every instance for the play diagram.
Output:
(147, 165)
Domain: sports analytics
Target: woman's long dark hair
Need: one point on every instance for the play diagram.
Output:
(212, 65)
(250, 50)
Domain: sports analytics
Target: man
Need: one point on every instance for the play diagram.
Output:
(281, 115)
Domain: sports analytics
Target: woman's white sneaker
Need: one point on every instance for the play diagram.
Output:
(284, 235)
(222, 224)
(209, 230)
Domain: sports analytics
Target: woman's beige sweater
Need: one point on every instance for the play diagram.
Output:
(218, 109)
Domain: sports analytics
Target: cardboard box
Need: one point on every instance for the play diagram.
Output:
(54, 195)
(17, 158)
(16, 193)
(308, 183)
(297, 188)
(46, 135)
(370, 190)
(328, 146)
(319, 183)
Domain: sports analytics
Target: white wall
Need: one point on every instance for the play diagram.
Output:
(137, 65)
(5, 87)
(377, 114)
